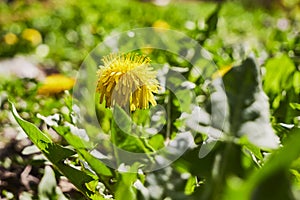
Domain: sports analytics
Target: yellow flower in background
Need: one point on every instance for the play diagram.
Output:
(221, 72)
(148, 49)
(32, 35)
(160, 24)
(10, 38)
(55, 84)
(127, 79)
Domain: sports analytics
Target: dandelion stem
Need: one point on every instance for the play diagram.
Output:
(113, 138)
(169, 120)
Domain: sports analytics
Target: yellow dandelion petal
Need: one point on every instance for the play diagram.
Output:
(160, 25)
(10, 38)
(221, 72)
(56, 83)
(111, 84)
(147, 49)
(101, 98)
(32, 35)
(127, 79)
(152, 100)
(132, 107)
(105, 78)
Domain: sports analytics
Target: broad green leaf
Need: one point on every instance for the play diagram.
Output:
(74, 140)
(125, 188)
(279, 73)
(248, 105)
(99, 167)
(55, 153)
(274, 170)
(248, 116)
(239, 107)
(281, 159)
(80, 145)
(296, 82)
(212, 20)
(122, 119)
(157, 141)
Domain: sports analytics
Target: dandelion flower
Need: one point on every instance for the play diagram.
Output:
(32, 35)
(55, 84)
(160, 25)
(10, 38)
(127, 79)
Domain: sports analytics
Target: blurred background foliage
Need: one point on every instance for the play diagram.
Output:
(43, 43)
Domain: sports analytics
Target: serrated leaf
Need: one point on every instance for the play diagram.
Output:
(248, 105)
(100, 168)
(55, 153)
(74, 140)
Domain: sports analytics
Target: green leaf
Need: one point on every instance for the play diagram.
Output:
(157, 141)
(281, 159)
(279, 71)
(97, 197)
(72, 139)
(248, 105)
(48, 188)
(295, 106)
(124, 136)
(92, 185)
(125, 184)
(190, 185)
(125, 187)
(122, 119)
(55, 153)
(260, 184)
(212, 20)
(99, 167)
(254, 149)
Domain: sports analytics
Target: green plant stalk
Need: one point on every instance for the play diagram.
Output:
(113, 137)
(229, 164)
(169, 122)
(141, 142)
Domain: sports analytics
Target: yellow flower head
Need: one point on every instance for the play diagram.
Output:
(160, 25)
(32, 36)
(127, 79)
(10, 38)
(55, 84)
